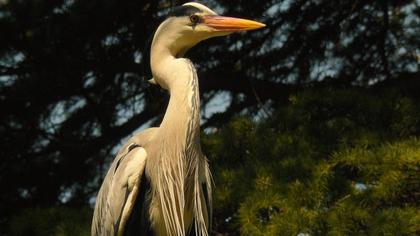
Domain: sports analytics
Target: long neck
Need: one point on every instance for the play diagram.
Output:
(175, 160)
(182, 117)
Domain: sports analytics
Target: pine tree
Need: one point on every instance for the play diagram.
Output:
(333, 162)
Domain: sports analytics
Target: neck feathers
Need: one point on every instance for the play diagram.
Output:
(180, 171)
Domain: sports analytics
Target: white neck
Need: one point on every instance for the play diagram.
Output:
(180, 163)
(179, 142)
(182, 117)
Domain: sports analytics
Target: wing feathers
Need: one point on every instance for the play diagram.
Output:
(133, 176)
(118, 192)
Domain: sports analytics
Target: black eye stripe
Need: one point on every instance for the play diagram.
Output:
(184, 11)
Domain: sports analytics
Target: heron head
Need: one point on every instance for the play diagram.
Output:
(186, 26)
(193, 22)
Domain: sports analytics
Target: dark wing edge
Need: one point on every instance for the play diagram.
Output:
(118, 193)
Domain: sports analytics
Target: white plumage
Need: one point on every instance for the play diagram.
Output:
(160, 181)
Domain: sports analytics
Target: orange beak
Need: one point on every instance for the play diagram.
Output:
(231, 24)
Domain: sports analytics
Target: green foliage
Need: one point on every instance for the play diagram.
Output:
(332, 162)
(73, 72)
(59, 221)
(72, 86)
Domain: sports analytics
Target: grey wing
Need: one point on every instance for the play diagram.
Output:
(118, 192)
(119, 189)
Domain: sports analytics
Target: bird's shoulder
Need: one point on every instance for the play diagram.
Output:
(138, 140)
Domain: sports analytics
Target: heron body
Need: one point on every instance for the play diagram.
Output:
(160, 183)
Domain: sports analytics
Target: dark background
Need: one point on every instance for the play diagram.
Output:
(73, 72)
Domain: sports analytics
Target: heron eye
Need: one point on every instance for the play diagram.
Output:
(194, 19)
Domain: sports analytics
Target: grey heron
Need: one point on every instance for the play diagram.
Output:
(160, 183)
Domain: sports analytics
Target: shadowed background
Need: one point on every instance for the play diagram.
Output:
(302, 121)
